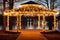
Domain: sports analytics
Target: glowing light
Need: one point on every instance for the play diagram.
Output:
(30, 10)
(20, 6)
(57, 13)
(5, 13)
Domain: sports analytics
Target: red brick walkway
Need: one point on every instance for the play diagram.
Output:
(31, 35)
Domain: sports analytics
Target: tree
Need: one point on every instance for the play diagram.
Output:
(49, 3)
(52, 4)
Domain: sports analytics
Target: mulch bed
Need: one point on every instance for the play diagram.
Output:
(8, 35)
(53, 35)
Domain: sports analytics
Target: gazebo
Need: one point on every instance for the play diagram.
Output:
(28, 10)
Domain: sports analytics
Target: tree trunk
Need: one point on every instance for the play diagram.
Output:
(4, 18)
(11, 2)
(51, 4)
(47, 3)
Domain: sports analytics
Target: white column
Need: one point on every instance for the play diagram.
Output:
(38, 21)
(17, 23)
(30, 22)
(54, 22)
(43, 21)
(27, 22)
(20, 22)
(8, 22)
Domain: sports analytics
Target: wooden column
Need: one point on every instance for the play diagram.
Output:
(8, 22)
(38, 21)
(54, 22)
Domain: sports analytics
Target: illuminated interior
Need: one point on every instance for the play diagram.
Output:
(30, 10)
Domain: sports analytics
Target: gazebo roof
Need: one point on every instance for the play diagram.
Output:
(30, 9)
